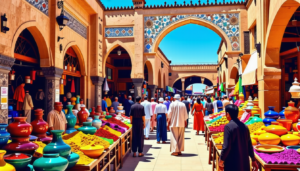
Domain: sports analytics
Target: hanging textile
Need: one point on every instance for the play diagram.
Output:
(236, 88)
(240, 85)
(62, 89)
(105, 88)
(73, 86)
(19, 96)
(32, 74)
(222, 87)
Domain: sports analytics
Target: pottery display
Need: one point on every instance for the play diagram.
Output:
(281, 114)
(40, 127)
(72, 159)
(291, 112)
(82, 115)
(255, 137)
(276, 129)
(22, 145)
(71, 119)
(270, 116)
(255, 101)
(93, 113)
(256, 110)
(3, 165)
(290, 140)
(287, 123)
(89, 119)
(73, 99)
(77, 99)
(93, 151)
(57, 145)
(112, 111)
(50, 162)
(4, 136)
(19, 164)
(87, 128)
(96, 122)
(99, 110)
(269, 139)
(19, 128)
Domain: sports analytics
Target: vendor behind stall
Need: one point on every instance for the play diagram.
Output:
(56, 118)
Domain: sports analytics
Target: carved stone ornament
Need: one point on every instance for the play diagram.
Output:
(97, 80)
(52, 72)
(6, 62)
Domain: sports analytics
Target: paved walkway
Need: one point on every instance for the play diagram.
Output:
(158, 157)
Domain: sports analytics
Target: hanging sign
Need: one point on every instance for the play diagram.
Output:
(56, 95)
(4, 91)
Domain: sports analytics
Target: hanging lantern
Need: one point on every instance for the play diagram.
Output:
(119, 52)
(12, 75)
(295, 90)
(27, 80)
(62, 87)
(202, 80)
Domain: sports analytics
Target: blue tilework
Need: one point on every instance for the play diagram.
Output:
(229, 23)
(41, 5)
(76, 25)
(119, 32)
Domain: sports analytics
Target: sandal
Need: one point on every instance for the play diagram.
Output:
(141, 155)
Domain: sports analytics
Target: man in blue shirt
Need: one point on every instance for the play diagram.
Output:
(104, 105)
(219, 104)
(167, 103)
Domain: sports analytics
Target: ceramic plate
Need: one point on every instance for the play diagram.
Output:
(269, 148)
(293, 147)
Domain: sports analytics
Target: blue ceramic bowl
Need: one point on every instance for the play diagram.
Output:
(19, 164)
(293, 147)
(73, 159)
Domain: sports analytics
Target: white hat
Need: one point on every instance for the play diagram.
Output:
(161, 99)
(177, 96)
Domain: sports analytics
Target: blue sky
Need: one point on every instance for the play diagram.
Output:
(189, 44)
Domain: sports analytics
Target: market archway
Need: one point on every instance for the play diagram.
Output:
(191, 80)
(234, 74)
(148, 73)
(118, 69)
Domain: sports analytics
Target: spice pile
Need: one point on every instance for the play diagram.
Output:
(16, 156)
(118, 122)
(106, 134)
(107, 128)
(41, 147)
(286, 157)
(219, 124)
(256, 126)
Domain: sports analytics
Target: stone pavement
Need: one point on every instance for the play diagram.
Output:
(158, 157)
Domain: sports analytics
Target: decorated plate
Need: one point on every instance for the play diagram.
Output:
(269, 148)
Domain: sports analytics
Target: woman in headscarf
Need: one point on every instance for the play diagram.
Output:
(198, 116)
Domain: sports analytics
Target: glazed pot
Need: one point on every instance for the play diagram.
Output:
(112, 111)
(120, 107)
(89, 119)
(77, 99)
(281, 114)
(269, 139)
(291, 112)
(72, 159)
(92, 113)
(87, 128)
(256, 110)
(40, 127)
(19, 164)
(4, 136)
(71, 118)
(276, 129)
(99, 109)
(82, 115)
(97, 122)
(73, 100)
(50, 162)
(287, 123)
(58, 145)
(93, 151)
(290, 140)
(3, 165)
(19, 128)
(22, 145)
(271, 113)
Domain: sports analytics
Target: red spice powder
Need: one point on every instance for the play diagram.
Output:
(16, 156)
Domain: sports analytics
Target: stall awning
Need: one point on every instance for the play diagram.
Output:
(210, 91)
(249, 75)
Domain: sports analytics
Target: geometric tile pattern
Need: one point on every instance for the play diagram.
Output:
(119, 32)
(41, 5)
(76, 25)
(229, 23)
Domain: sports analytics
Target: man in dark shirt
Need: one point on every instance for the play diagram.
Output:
(137, 118)
(187, 106)
(237, 145)
(219, 104)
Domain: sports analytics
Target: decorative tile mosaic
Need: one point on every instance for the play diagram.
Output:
(76, 25)
(229, 23)
(119, 32)
(41, 5)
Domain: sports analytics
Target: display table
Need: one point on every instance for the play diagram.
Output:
(215, 157)
(272, 167)
(125, 144)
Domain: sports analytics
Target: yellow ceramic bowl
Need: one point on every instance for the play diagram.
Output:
(92, 151)
(255, 137)
(290, 140)
(253, 141)
(276, 129)
(269, 139)
(259, 132)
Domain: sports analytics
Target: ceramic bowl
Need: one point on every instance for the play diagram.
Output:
(287, 123)
(120, 107)
(72, 159)
(290, 140)
(92, 151)
(276, 129)
(269, 148)
(255, 137)
(296, 147)
(19, 164)
(269, 139)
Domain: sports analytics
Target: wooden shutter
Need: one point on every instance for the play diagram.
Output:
(246, 42)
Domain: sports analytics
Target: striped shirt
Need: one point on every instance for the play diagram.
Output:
(57, 120)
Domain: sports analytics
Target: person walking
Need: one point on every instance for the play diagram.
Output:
(137, 119)
(225, 102)
(108, 101)
(237, 147)
(209, 107)
(148, 116)
(220, 105)
(167, 103)
(177, 120)
(215, 105)
(161, 112)
(115, 104)
(188, 107)
(198, 117)
(127, 105)
(153, 118)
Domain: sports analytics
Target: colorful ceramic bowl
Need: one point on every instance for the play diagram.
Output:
(296, 147)
(255, 137)
(269, 139)
(19, 164)
(290, 140)
(276, 129)
(93, 151)
(269, 148)
(287, 123)
(258, 132)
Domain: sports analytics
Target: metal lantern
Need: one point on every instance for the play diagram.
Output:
(4, 27)
(12, 75)
(295, 90)
(62, 20)
(27, 80)
(202, 80)
(119, 52)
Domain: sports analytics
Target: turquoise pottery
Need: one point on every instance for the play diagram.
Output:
(270, 116)
(281, 114)
(73, 159)
(57, 145)
(71, 118)
(4, 135)
(50, 162)
(97, 122)
(256, 118)
(87, 128)
(293, 147)
(78, 100)
(19, 164)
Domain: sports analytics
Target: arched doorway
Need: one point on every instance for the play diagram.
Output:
(26, 75)
(234, 74)
(190, 81)
(118, 69)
